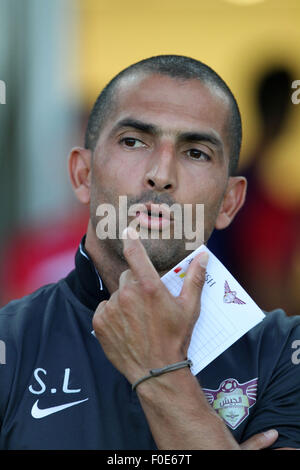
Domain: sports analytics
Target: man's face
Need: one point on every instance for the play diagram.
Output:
(164, 142)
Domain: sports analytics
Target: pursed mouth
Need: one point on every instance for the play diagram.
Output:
(154, 216)
(158, 211)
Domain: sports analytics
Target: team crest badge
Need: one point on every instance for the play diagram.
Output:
(232, 400)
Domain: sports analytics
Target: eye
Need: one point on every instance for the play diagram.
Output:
(197, 154)
(131, 142)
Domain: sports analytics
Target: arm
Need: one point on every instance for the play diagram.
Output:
(142, 327)
(279, 392)
(179, 415)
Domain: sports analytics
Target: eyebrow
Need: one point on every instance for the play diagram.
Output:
(201, 137)
(135, 124)
(183, 136)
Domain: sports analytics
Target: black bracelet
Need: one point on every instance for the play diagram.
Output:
(163, 370)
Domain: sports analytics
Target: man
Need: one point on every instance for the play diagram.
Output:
(78, 353)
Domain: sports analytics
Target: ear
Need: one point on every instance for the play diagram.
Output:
(80, 173)
(232, 202)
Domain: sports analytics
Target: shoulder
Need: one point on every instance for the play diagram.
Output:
(18, 304)
(279, 318)
(30, 309)
(36, 298)
(276, 329)
(273, 340)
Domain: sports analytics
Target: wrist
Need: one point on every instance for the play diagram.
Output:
(165, 385)
(162, 370)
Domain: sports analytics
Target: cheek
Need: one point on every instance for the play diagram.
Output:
(207, 190)
(215, 192)
(114, 176)
(205, 187)
(213, 201)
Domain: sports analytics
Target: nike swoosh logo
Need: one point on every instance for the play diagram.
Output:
(37, 413)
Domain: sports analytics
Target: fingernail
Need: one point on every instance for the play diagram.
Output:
(130, 233)
(271, 434)
(203, 259)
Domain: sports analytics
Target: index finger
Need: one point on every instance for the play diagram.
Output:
(137, 257)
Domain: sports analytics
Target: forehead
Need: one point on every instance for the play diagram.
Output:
(173, 104)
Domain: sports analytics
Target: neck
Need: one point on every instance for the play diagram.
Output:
(107, 262)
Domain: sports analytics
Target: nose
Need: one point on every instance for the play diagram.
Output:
(161, 173)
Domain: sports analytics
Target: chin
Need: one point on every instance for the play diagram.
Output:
(164, 254)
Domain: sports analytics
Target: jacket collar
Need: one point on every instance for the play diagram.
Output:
(85, 281)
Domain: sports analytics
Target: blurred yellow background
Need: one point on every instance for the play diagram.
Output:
(239, 39)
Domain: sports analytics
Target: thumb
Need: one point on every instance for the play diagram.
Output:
(260, 441)
(194, 280)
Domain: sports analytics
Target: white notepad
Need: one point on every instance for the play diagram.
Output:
(227, 311)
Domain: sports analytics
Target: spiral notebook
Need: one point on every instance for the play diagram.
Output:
(227, 311)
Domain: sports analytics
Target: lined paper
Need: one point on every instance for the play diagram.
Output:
(227, 311)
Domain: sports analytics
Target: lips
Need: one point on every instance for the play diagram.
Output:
(154, 216)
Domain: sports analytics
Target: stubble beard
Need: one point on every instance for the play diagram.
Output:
(164, 253)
